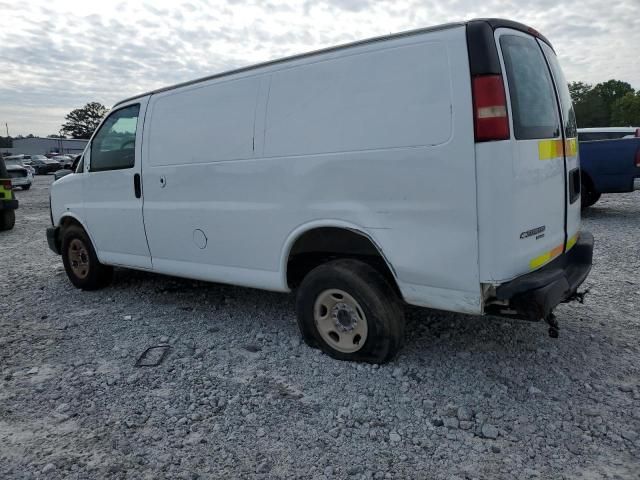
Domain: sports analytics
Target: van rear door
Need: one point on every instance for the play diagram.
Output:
(538, 164)
(522, 179)
(570, 137)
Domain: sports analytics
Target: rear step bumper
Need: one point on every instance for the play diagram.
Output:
(534, 296)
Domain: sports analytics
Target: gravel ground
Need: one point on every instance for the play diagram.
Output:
(238, 395)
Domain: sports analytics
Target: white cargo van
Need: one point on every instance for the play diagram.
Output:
(436, 167)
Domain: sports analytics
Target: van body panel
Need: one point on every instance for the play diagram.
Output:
(368, 156)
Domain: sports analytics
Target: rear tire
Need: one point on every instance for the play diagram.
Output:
(81, 262)
(588, 195)
(351, 312)
(7, 219)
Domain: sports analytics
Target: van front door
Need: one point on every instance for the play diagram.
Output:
(113, 189)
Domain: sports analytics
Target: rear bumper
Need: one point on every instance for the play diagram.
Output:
(636, 183)
(534, 296)
(20, 181)
(53, 239)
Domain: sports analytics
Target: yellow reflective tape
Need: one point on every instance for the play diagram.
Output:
(548, 149)
(553, 253)
(571, 147)
(545, 257)
(572, 241)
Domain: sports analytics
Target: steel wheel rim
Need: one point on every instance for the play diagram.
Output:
(79, 258)
(340, 320)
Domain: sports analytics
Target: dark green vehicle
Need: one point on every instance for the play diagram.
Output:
(8, 202)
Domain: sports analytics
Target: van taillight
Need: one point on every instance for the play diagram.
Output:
(490, 108)
(637, 132)
(638, 158)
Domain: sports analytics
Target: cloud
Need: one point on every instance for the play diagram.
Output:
(59, 55)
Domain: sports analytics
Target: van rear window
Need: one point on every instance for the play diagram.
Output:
(533, 103)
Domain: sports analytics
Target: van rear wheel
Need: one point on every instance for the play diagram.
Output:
(351, 312)
(81, 262)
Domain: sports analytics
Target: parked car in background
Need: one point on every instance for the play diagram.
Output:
(66, 171)
(609, 166)
(405, 168)
(65, 161)
(19, 174)
(8, 202)
(44, 166)
(606, 133)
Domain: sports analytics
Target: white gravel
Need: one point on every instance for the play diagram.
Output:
(238, 395)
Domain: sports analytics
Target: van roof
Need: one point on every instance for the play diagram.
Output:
(607, 129)
(492, 22)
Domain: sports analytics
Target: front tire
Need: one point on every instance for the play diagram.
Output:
(81, 262)
(351, 312)
(7, 219)
(26, 187)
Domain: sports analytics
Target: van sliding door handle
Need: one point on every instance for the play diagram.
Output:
(136, 185)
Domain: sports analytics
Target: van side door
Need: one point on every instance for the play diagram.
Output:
(113, 188)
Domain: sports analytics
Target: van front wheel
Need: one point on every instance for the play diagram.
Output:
(351, 312)
(81, 262)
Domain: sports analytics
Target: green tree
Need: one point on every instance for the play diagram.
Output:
(594, 105)
(82, 122)
(625, 111)
(579, 91)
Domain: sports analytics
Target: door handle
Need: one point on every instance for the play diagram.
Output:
(136, 185)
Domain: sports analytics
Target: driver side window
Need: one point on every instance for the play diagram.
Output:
(113, 147)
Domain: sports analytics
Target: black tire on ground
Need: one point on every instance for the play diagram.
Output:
(84, 271)
(7, 219)
(26, 187)
(374, 295)
(588, 195)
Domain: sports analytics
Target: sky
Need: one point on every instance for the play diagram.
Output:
(57, 55)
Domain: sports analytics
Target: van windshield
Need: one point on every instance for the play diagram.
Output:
(568, 114)
(533, 102)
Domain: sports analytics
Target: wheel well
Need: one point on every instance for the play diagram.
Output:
(586, 179)
(67, 221)
(320, 245)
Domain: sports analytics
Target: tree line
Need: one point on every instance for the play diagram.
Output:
(608, 104)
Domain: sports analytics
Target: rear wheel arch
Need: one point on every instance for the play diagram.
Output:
(319, 244)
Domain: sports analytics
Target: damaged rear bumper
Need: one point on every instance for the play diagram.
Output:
(534, 296)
